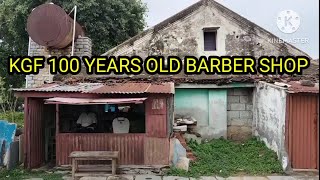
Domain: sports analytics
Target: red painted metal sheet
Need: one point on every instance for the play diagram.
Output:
(26, 145)
(302, 131)
(296, 87)
(54, 87)
(34, 134)
(135, 88)
(94, 100)
(156, 126)
(130, 146)
(156, 116)
(156, 151)
(157, 105)
(99, 88)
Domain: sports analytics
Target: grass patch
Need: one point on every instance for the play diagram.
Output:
(13, 117)
(18, 174)
(226, 158)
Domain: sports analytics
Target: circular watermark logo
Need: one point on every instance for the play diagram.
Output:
(288, 21)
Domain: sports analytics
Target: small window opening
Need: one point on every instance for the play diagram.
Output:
(210, 39)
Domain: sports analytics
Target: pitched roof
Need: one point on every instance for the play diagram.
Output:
(102, 88)
(312, 73)
(231, 15)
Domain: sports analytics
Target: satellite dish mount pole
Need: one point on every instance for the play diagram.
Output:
(74, 27)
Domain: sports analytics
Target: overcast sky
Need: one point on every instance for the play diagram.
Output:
(262, 12)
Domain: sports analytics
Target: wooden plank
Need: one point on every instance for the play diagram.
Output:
(57, 119)
(90, 174)
(94, 154)
(93, 158)
(94, 168)
(73, 168)
(114, 166)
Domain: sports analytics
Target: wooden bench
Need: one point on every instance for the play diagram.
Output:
(92, 155)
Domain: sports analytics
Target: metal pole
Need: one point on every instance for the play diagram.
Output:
(49, 75)
(74, 29)
(29, 48)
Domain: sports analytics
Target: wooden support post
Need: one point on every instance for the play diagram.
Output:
(57, 131)
(57, 119)
(114, 166)
(73, 168)
(27, 134)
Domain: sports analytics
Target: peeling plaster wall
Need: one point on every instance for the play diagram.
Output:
(269, 118)
(207, 106)
(184, 36)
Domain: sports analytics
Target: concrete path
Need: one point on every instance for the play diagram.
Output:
(153, 177)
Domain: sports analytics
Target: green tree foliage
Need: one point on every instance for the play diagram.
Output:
(106, 22)
(13, 80)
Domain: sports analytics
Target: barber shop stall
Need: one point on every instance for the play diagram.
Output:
(132, 118)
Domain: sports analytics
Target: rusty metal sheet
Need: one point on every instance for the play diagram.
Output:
(99, 88)
(302, 131)
(135, 88)
(34, 134)
(130, 146)
(156, 126)
(296, 87)
(81, 88)
(156, 116)
(94, 100)
(156, 151)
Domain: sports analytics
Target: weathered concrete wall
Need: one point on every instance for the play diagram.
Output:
(207, 106)
(83, 47)
(240, 113)
(269, 118)
(194, 103)
(184, 36)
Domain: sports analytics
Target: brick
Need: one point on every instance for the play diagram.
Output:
(238, 122)
(249, 107)
(244, 99)
(233, 99)
(246, 114)
(230, 92)
(249, 122)
(238, 106)
(233, 115)
(228, 107)
(79, 46)
(240, 91)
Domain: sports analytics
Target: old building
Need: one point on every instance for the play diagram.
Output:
(286, 118)
(228, 106)
(204, 29)
(52, 128)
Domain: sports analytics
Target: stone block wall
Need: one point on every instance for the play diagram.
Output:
(239, 113)
(83, 47)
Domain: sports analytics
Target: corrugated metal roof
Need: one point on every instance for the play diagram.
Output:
(136, 88)
(296, 87)
(80, 87)
(100, 88)
(94, 101)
